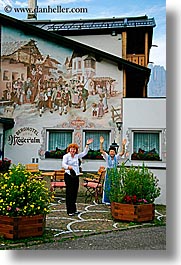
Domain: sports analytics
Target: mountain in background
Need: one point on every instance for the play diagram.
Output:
(157, 83)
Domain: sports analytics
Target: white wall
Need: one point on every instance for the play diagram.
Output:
(106, 43)
(147, 114)
(144, 113)
(161, 174)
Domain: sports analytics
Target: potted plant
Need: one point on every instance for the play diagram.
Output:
(132, 193)
(24, 203)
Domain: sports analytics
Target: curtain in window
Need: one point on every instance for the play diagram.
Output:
(96, 136)
(146, 141)
(59, 139)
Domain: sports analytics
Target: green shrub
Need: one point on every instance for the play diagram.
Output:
(133, 185)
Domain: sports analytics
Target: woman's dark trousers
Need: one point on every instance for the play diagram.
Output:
(72, 186)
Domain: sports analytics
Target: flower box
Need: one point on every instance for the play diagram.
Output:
(22, 226)
(58, 154)
(133, 213)
(94, 154)
(151, 155)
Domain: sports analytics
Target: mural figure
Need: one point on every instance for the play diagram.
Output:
(83, 96)
(75, 96)
(41, 101)
(94, 109)
(49, 96)
(28, 84)
(100, 108)
(59, 101)
(67, 99)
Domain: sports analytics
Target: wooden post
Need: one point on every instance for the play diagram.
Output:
(146, 49)
(124, 45)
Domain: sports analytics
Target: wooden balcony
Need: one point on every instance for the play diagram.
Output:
(137, 58)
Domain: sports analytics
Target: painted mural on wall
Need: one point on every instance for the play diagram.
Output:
(44, 84)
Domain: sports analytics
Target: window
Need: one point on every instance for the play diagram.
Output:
(135, 42)
(58, 139)
(89, 63)
(96, 136)
(146, 146)
(57, 142)
(94, 151)
(74, 66)
(146, 141)
(79, 65)
(6, 75)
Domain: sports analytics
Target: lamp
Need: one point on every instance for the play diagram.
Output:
(119, 125)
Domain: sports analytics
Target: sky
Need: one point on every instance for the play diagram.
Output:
(102, 9)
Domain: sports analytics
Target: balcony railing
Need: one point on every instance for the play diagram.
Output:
(136, 58)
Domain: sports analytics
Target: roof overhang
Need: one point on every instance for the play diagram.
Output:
(94, 25)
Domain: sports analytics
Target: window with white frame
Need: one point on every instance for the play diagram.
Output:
(146, 145)
(58, 139)
(96, 136)
(57, 142)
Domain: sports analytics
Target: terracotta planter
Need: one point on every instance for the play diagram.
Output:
(22, 226)
(133, 213)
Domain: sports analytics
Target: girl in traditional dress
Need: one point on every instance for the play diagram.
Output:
(112, 160)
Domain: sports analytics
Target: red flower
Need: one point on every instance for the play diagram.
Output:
(134, 198)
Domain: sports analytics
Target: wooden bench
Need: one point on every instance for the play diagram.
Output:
(34, 168)
(58, 180)
(50, 174)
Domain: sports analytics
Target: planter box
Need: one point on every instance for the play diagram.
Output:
(133, 213)
(22, 226)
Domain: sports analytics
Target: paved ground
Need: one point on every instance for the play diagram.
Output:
(150, 238)
(94, 229)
